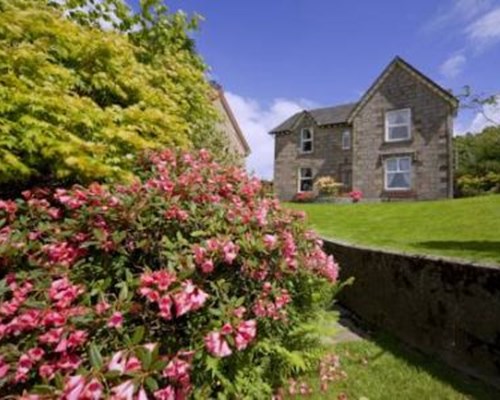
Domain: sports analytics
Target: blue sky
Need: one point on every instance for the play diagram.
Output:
(276, 57)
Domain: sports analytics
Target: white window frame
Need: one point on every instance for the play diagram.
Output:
(346, 136)
(303, 140)
(386, 173)
(301, 178)
(388, 126)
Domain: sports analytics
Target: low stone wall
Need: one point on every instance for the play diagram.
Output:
(445, 308)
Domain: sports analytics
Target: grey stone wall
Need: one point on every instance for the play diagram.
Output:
(429, 145)
(445, 308)
(327, 158)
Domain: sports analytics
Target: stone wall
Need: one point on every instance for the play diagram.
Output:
(445, 308)
(429, 145)
(327, 158)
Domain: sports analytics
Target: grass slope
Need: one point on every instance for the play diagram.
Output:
(382, 369)
(463, 228)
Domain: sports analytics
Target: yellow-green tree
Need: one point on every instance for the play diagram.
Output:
(78, 102)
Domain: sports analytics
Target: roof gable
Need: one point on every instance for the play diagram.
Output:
(321, 116)
(399, 62)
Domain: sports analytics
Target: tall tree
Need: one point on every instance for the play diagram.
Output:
(86, 85)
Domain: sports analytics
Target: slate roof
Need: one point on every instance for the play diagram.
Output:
(322, 116)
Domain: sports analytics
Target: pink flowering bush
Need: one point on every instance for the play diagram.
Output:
(356, 195)
(190, 282)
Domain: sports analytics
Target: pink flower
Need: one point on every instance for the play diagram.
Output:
(93, 390)
(227, 329)
(116, 320)
(36, 353)
(165, 305)
(167, 393)
(177, 370)
(101, 307)
(69, 362)
(190, 298)
(124, 391)
(245, 333)
(74, 387)
(142, 394)
(230, 251)
(52, 336)
(133, 364)
(4, 367)
(207, 266)
(216, 345)
(117, 362)
(77, 338)
(47, 371)
(239, 312)
(270, 241)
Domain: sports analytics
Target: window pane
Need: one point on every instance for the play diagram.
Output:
(392, 164)
(306, 173)
(346, 140)
(398, 180)
(306, 134)
(307, 146)
(398, 132)
(398, 117)
(404, 164)
(306, 185)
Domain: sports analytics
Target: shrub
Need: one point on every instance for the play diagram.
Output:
(304, 197)
(356, 195)
(326, 185)
(77, 103)
(188, 282)
(470, 185)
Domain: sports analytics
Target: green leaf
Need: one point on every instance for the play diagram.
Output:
(151, 384)
(138, 335)
(95, 356)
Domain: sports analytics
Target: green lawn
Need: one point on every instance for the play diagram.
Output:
(462, 228)
(385, 369)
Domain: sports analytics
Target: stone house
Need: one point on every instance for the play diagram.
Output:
(394, 143)
(228, 124)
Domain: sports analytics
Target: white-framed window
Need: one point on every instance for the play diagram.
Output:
(398, 173)
(306, 140)
(305, 180)
(346, 139)
(398, 125)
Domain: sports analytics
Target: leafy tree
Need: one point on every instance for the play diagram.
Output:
(78, 102)
(477, 162)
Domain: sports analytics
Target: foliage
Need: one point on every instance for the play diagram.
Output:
(463, 228)
(187, 281)
(304, 197)
(78, 102)
(326, 185)
(356, 195)
(469, 185)
(478, 162)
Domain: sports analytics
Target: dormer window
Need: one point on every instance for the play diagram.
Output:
(398, 125)
(346, 140)
(306, 140)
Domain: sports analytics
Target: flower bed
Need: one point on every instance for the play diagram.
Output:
(189, 282)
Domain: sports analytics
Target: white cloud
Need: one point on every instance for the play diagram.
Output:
(488, 116)
(453, 66)
(256, 120)
(486, 29)
(456, 12)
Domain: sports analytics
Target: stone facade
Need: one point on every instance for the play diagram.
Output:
(428, 148)
(327, 158)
